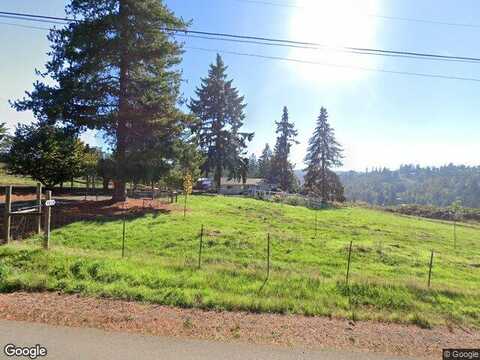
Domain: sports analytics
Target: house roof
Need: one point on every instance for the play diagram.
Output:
(250, 181)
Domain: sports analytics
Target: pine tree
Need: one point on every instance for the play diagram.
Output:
(282, 169)
(115, 71)
(220, 110)
(323, 153)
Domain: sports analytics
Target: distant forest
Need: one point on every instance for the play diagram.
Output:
(438, 186)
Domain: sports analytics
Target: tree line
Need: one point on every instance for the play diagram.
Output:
(116, 70)
(413, 184)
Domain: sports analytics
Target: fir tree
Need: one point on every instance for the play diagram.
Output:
(323, 153)
(265, 163)
(281, 169)
(220, 110)
(253, 166)
(115, 71)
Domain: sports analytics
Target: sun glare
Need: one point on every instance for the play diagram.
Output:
(334, 23)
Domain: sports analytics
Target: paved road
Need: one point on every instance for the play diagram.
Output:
(74, 343)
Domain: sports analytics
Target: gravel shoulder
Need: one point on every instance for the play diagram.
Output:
(265, 329)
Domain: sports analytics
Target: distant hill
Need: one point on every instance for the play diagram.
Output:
(415, 185)
(300, 175)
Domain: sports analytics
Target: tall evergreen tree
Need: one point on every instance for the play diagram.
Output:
(253, 166)
(265, 163)
(5, 140)
(220, 109)
(282, 168)
(323, 153)
(115, 71)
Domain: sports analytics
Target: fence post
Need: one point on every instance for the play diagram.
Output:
(185, 206)
(454, 233)
(124, 234)
(39, 204)
(46, 239)
(268, 256)
(200, 249)
(8, 209)
(430, 269)
(348, 265)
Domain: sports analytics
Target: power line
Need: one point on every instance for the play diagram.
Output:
(334, 49)
(292, 42)
(25, 26)
(439, 76)
(35, 16)
(385, 17)
(15, 17)
(272, 42)
(267, 39)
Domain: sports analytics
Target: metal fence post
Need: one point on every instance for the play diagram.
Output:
(268, 256)
(455, 234)
(430, 269)
(124, 235)
(200, 249)
(348, 265)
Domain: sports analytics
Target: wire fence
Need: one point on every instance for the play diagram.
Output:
(268, 252)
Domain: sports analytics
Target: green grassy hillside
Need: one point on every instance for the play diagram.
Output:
(388, 273)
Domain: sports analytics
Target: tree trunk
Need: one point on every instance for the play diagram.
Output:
(324, 185)
(106, 182)
(119, 193)
(218, 177)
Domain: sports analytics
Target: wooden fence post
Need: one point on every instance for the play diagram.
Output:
(39, 204)
(7, 216)
(348, 265)
(200, 249)
(430, 269)
(46, 239)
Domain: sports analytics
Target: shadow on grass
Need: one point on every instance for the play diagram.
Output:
(68, 211)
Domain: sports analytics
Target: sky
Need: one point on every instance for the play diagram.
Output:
(381, 119)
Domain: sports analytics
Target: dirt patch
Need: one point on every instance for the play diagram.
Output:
(111, 208)
(284, 330)
(20, 198)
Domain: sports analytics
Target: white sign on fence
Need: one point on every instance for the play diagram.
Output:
(50, 203)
